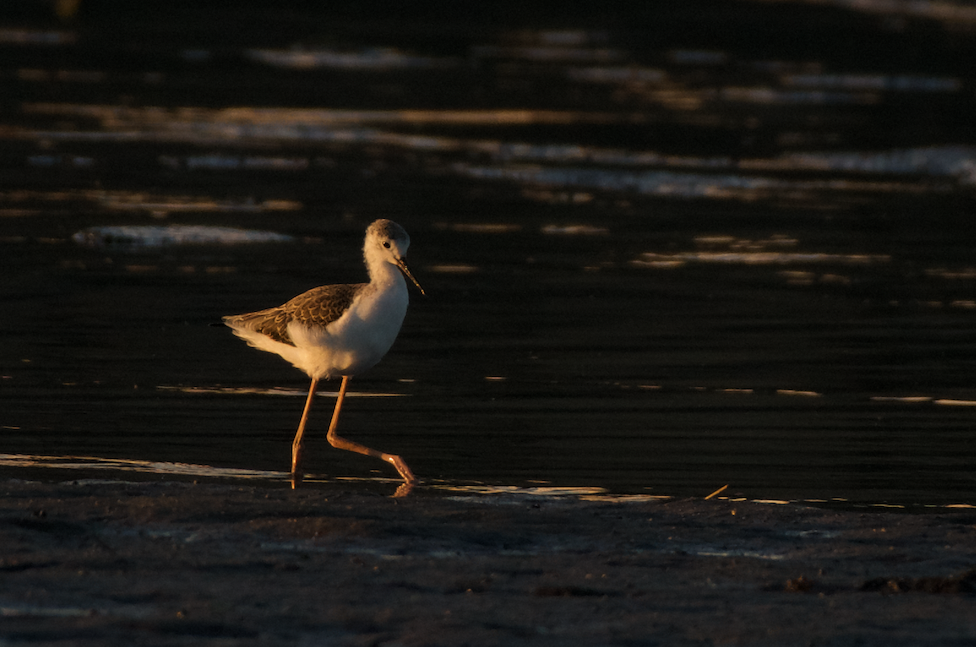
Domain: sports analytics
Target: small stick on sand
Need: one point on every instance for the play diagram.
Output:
(718, 491)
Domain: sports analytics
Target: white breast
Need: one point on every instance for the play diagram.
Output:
(358, 339)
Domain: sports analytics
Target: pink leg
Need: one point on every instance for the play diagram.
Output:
(298, 444)
(342, 443)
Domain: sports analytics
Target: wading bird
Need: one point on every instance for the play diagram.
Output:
(339, 330)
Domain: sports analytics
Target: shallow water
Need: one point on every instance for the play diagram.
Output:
(662, 254)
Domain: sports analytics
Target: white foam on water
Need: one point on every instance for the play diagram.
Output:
(131, 465)
(173, 235)
(655, 259)
(953, 15)
(369, 59)
(575, 230)
(230, 390)
(15, 36)
(242, 126)
(884, 82)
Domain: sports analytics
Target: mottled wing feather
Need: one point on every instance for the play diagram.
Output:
(318, 307)
(323, 305)
(272, 322)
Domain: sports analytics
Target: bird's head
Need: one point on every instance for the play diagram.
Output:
(389, 241)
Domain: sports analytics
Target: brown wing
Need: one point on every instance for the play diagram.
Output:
(318, 307)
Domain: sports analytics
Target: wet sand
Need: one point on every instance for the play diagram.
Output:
(179, 563)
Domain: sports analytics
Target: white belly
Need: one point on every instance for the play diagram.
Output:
(356, 341)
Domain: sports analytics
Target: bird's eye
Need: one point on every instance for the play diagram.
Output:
(386, 244)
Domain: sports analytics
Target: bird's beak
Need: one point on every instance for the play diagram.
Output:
(402, 264)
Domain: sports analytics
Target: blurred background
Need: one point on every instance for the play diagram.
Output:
(667, 246)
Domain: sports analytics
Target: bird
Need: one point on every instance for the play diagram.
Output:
(339, 330)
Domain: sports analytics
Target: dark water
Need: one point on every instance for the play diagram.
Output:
(665, 248)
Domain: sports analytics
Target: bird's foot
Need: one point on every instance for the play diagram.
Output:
(296, 463)
(296, 480)
(401, 467)
(403, 490)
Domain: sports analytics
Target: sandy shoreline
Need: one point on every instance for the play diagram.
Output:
(106, 563)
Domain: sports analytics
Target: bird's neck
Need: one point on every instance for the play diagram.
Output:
(382, 273)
